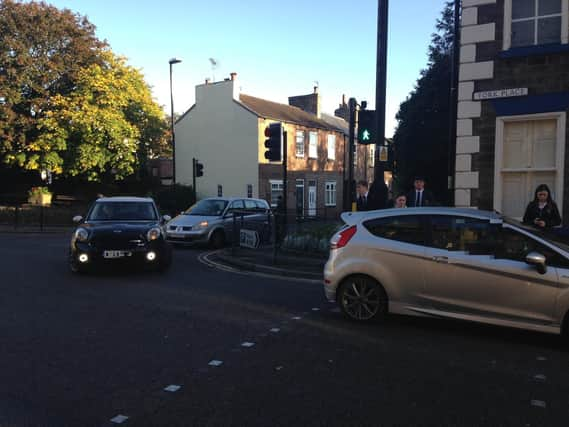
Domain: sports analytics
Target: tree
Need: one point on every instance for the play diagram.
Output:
(71, 105)
(421, 138)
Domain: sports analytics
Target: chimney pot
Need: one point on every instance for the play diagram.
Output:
(315, 89)
(233, 76)
(207, 81)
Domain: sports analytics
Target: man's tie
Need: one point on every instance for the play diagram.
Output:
(418, 203)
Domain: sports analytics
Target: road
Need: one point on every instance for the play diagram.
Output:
(85, 350)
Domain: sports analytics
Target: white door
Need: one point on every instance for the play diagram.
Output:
(311, 198)
(529, 150)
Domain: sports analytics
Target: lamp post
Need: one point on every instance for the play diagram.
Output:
(172, 62)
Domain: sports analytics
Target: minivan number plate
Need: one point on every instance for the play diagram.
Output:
(116, 254)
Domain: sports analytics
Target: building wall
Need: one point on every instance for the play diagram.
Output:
(224, 137)
(484, 67)
(321, 169)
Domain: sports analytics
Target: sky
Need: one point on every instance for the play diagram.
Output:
(278, 48)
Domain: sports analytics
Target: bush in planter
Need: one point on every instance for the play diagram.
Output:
(39, 196)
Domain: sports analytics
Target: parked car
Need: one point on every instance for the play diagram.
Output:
(211, 220)
(118, 231)
(445, 262)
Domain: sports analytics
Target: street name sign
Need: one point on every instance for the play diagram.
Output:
(500, 93)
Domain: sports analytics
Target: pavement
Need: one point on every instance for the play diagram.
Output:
(199, 346)
(264, 260)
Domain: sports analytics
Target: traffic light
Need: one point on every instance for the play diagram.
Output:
(199, 168)
(367, 133)
(274, 133)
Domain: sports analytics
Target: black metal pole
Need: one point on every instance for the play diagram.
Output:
(351, 146)
(194, 180)
(285, 192)
(380, 84)
(453, 101)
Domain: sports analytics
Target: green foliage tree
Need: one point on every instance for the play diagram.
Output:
(421, 137)
(70, 104)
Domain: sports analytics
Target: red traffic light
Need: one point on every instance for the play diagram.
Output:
(268, 131)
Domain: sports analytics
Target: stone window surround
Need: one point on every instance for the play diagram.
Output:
(508, 23)
(560, 151)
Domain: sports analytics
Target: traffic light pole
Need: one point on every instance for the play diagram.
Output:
(380, 84)
(194, 179)
(285, 193)
(351, 146)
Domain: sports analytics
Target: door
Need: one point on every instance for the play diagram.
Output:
(230, 227)
(312, 198)
(300, 198)
(478, 269)
(396, 251)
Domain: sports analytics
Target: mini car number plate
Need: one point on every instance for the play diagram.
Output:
(116, 254)
(176, 235)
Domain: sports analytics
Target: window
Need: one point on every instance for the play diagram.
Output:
(355, 155)
(515, 246)
(249, 190)
(250, 205)
(475, 236)
(331, 147)
(530, 151)
(299, 143)
(372, 155)
(405, 228)
(276, 191)
(535, 22)
(219, 191)
(313, 145)
(330, 193)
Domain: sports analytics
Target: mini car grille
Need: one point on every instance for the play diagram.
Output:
(116, 241)
(186, 228)
(172, 227)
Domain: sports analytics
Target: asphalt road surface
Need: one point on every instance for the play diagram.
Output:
(245, 350)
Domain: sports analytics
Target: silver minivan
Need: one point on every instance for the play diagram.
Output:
(211, 220)
(464, 264)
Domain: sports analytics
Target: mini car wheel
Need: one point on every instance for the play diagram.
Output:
(362, 299)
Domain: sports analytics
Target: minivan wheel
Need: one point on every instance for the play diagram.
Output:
(217, 240)
(362, 299)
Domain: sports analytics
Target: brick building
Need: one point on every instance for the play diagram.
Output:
(513, 101)
(224, 129)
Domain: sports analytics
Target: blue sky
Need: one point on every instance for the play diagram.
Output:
(278, 48)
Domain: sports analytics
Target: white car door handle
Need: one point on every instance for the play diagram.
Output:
(441, 259)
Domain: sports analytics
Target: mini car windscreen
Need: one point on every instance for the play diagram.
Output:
(207, 208)
(123, 211)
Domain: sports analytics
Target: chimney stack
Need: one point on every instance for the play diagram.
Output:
(233, 76)
(207, 81)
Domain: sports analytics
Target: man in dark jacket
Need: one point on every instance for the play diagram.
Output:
(362, 196)
(419, 196)
(378, 192)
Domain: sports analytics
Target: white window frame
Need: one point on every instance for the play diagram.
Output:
(313, 145)
(299, 153)
(249, 191)
(559, 154)
(278, 182)
(508, 23)
(331, 146)
(330, 192)
(219, 190)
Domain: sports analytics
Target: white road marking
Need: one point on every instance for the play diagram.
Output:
(247, 344)
(275, 330)
(278, 368)
(215, 363)
(172, 388)
(315, 309)
(540, 377)
(119, 419)
(538, 403)
(335, 310)
(541, 358)
(296, 318)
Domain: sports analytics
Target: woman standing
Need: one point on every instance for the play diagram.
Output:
(542, 212)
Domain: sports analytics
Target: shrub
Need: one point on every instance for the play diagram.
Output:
(175, 199)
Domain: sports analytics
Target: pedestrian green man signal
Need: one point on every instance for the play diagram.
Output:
(366, 127)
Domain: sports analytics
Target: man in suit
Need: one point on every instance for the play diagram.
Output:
(419, 196)
(362, 196)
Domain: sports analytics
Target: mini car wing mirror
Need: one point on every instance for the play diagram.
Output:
(166, 218)
(77, 219)
(538, 260)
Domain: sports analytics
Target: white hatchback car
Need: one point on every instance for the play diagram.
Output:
(445, 262)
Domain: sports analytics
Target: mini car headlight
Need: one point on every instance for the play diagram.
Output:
(153, 234)
(81, 235)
